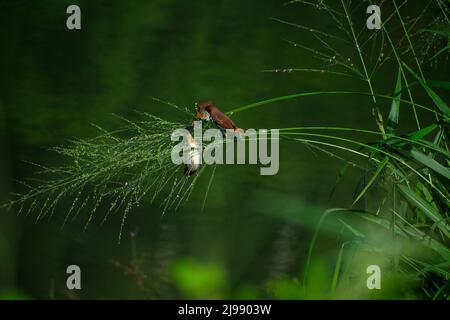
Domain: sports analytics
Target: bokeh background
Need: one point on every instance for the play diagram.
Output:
(254, 229)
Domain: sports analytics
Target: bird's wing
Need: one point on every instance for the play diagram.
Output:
(222, 120)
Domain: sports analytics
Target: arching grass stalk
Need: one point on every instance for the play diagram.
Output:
(377, 133)
(378, 150)
(319, 93)
(327, 144)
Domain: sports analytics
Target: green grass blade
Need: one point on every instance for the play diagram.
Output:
(357, 233)
(318, 93)
(430, 163)
(337, 269)
(437, 54)
(439, 83)
(422, 133)
(443, 33)
(436, 295)
(315, 236)
(426, 208)
(392, 123)
(372, 180)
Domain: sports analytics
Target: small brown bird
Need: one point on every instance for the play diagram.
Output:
(193, 158)
(208, 111)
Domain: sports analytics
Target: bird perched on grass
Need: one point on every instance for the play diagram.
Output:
(208, 111)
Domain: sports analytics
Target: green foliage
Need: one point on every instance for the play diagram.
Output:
(199, 281)
(412, 168)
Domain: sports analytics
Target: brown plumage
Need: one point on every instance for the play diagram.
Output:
(194, 156)
(208, 111)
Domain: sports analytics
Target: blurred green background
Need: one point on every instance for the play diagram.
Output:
(255, 230)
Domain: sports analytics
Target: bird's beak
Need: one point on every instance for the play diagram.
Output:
(199, 115)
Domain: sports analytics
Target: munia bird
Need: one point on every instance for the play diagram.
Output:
(193, 163)
(208, 111)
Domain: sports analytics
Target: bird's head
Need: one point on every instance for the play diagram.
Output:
(203, 110)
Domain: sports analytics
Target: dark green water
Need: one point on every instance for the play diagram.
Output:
(55, 82)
